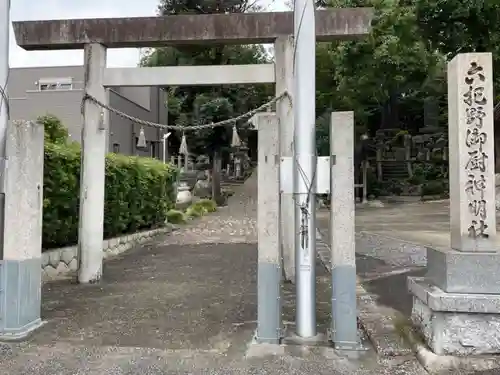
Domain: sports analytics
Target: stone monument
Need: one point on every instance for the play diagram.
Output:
(456, 306)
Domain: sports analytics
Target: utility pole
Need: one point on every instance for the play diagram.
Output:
(305, 170)
(4, 108)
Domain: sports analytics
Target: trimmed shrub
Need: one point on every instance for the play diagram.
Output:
(176, 217)
(437, 187)
(139, 192)
(195, 211)
(208, 204)
(61, 187)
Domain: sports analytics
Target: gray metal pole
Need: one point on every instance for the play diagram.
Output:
(164, 149)
(305, 156)
(165, 144)
(365, 184)
(4, 107)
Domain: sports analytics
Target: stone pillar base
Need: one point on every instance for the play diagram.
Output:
(269, 303)
(455, 323)
(20, 297)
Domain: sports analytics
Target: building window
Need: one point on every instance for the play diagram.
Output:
(52, 84)
(116, 148)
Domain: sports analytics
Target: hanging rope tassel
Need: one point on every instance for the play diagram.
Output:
(184, 148)
(141, 140)
(235, 141)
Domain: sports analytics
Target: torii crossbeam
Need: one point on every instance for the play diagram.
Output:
(234, 28)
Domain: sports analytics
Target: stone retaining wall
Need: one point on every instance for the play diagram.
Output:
(60, 263)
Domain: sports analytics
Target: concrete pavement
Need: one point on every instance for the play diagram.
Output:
(425, 223)
(391, 243)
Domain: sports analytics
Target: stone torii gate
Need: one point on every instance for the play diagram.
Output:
(96, 35)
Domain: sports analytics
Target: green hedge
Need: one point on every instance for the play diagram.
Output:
(139, 192)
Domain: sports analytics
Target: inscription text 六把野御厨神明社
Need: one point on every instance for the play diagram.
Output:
(475, 140)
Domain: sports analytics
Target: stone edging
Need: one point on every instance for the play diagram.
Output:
(58, 263)
(445, 364)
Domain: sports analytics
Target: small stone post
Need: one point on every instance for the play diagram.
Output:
(364, 167)
(268, 224)
(20, 267)
(457, 305)
(344, 331)
(379, 163)
(284, 82)
(91, 226)
(237, 167)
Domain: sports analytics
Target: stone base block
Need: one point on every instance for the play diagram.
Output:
(464, 272)
(20, 298)
(455, 324)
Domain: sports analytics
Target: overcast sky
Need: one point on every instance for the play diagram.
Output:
(63, 9)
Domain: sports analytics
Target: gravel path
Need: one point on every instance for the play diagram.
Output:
(234, 223)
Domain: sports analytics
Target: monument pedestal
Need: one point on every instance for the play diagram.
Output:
(455, 323)
(464, 272)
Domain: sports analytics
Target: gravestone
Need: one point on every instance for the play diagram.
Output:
(431, 113)
(203, 186)
(457, 305)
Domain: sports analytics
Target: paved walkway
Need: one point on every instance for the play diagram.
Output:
(183, 304)
(383, 263)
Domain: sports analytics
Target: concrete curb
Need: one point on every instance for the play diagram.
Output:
(60, 263)
(445, 365)
(390, 333)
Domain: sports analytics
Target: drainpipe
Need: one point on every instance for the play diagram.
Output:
(4, 107)
(158, 120)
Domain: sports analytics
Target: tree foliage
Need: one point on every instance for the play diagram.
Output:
(386, 77)
(218, 102)
(383, 75)
(459, 26)
(55, 131)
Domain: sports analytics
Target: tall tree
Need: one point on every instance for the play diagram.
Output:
(182, 99)
(194, 105)
(383, 77)
(459, 26)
